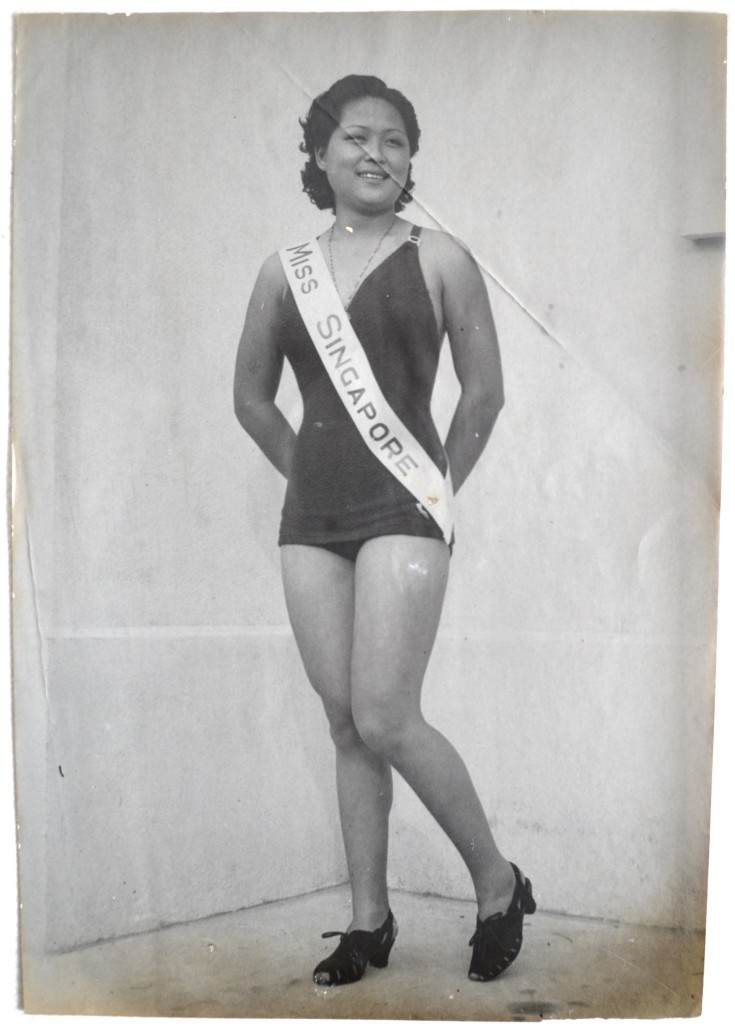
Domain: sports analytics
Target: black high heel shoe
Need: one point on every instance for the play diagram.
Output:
(355, 951)
(497, 940)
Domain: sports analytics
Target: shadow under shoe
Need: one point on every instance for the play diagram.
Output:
(497, 940)
(355, 951)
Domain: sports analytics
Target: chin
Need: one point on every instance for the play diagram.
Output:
(378, 204)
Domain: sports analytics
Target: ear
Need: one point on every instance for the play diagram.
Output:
(319, 157)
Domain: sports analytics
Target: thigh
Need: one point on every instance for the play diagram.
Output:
(319, 590)
(400, 583)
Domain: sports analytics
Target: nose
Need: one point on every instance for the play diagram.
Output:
(375, 152)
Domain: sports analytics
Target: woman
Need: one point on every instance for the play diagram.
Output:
(364, 562)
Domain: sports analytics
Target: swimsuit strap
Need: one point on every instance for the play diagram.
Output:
(415, 233)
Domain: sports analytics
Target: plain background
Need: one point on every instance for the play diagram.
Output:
(578, 625)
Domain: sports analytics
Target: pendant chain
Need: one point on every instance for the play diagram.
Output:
(372, 256)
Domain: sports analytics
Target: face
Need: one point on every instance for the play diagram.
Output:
(367, 158)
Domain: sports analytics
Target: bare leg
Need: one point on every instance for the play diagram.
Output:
(399, 590)
(319, 588)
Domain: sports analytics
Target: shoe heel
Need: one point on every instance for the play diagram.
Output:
(380, 957)
(530, 902)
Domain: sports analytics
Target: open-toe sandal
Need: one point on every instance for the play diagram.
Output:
(497, 940)
(355, 951)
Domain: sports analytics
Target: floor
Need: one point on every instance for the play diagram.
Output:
(257, 963)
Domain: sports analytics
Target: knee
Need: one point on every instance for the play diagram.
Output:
(342, 726)
(382, 728)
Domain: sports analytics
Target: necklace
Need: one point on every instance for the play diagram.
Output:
(371, 257)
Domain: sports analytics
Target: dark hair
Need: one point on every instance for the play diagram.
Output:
(324, 116)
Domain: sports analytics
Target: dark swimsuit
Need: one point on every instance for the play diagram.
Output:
(339, 495)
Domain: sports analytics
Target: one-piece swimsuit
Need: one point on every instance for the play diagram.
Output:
(339, 495)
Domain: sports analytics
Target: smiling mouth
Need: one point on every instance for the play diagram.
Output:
(373, 175)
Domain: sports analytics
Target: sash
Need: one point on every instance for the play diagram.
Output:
(348, 367)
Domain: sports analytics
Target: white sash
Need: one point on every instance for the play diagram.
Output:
(345, 361)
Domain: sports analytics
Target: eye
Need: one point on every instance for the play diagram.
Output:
(396, 141)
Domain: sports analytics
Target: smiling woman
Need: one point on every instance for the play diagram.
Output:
(333, 109)
(366, 530)
(367, 158)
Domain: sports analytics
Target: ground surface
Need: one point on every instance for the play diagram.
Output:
(258, 963)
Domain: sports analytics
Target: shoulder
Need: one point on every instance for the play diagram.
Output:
(271, 272)
(271, 284)
(272, 276)
(449, 254)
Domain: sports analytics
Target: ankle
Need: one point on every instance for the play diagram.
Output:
(369, 918)
(496, 895)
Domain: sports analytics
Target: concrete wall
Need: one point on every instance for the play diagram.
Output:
(188, 769)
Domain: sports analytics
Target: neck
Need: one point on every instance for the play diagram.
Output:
(352, 224)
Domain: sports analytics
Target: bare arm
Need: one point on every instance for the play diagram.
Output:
(258, 371)
(474, 344)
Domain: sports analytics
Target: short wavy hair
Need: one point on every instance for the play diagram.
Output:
(324, 116)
